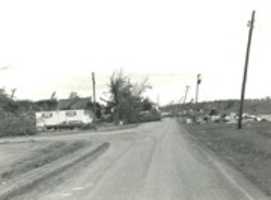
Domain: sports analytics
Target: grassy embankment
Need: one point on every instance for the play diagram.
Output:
(42, 156)
(248, 150)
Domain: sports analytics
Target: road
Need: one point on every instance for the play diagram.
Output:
(156, 161)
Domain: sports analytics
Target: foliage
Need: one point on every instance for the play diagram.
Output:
(47, 104)
(126, 98)
(6, 103)
(14, 119)
(98, 107)
(147, 104)
(17, 124)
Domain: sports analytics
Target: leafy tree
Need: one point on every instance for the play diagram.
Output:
(13, 119)
(126, 97)
(6, 103)
(147, 104)
(98, 106)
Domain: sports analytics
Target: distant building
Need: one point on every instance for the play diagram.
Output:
(63, 118)
(74, 104)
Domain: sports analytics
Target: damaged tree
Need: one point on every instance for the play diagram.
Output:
(126, 98)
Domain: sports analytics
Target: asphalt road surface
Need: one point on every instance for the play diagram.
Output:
(156, 161)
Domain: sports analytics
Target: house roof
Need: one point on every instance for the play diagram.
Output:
(76, 103)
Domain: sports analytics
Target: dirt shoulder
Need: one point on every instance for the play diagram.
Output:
(248, 150)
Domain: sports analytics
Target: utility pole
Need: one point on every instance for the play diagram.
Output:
(186, 93)
(94, 97)
(197, 88)
(251, 26)
(158, 99)
(13, 93)
(53, 95)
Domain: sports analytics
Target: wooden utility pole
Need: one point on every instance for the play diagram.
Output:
(186, 93)
(13, 91)
(158, 99)
(53, 95)
(197, 88)
(94, 97)
(251, 26)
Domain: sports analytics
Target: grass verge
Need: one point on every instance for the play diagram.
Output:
(248, 150)
(41, 157)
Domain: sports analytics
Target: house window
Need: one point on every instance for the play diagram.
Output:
(70, 113)
(47, 115)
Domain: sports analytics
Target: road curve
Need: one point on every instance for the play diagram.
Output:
(158, 161)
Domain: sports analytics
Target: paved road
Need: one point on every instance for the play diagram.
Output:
(157, 161)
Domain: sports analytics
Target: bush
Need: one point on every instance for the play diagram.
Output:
(15, 116)
(148, 116)
(17, 124)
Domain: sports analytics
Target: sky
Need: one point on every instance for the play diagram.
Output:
(54, 45)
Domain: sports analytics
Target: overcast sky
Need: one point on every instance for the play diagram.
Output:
(54, 45)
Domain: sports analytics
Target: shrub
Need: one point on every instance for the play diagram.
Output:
(17, 124)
